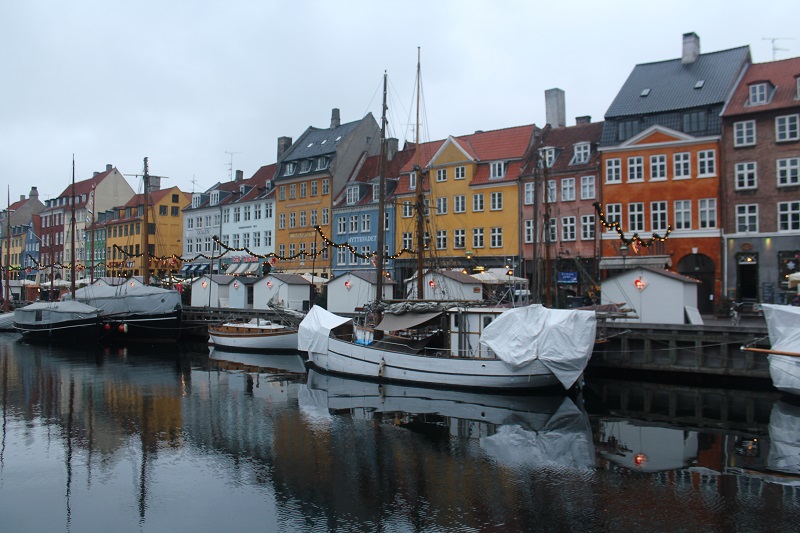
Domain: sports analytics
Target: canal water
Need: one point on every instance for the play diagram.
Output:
(190, 439)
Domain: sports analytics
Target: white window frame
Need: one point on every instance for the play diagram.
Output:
(459, 203)
(682, 165)
(787, 128)
(745, 175)
(412, 181)
(659, 217)
(352, 194)
(408, 210)
(478, 240)
(459, 239)
(588, 188)
(744, 133)
(614, 170)
(496, 237)
(635, 169)
(568, 190)
(658, 167)
(441, 239)
(352, 226)
(528, 231)
(497, 170)
(587, 227)
(789, 216)
(581, 153)
(707, 213)
(788, 171)
(747, 218)
(441, 175)
(408, 240)
(477, 202)
(758, 93)
(441, 206)
(366, 222)
(568, 230)
(550, 192)
(529, 193)
(682, 210)
(706, 163)
(460, 173)
(613, 214)
(636, 216)
(496, 201)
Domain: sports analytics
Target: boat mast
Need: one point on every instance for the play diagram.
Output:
(420, 192)
(7, 294)
(91, 252)
(72, 230)
(146, 228)
(381, 200)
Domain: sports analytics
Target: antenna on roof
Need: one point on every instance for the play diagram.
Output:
(230, 166)
(193, 182)
(775, 48)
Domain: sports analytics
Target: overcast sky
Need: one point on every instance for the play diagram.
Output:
(192, 84)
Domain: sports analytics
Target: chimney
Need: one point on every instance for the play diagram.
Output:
(555, 109)
(95, 173)
(284, 143)
(109, 167)
(21, 197)
(335, 120)
(585, 119)
(34, 193)
(391, 148)
(155, 183)
(691, 48)
(239, 175)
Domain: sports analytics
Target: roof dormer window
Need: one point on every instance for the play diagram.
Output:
(581, 154)
(352, 194)
(288, 169)
(305, 165)
(549, 156)
(214, 198)
(497, 170)
(412, 181)
(196, 200)
(758, 93)
(322, 163)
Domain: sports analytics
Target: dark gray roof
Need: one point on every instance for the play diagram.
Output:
(672, 84)
(317, 142)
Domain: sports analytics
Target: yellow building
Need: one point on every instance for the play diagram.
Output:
(125, 234)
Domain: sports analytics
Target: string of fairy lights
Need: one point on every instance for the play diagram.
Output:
(173, 260)
(635, 239)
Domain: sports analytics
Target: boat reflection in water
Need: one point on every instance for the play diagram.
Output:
(515, 431)
(271, 363)
(784, 438)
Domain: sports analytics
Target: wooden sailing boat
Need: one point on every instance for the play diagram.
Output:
(441, 343)
(783, 324)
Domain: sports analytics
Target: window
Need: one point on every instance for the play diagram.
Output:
(746, 218)
(694, 121)
(386, 220)
(407, 241)
(658, 216)
(162, 210)
(282, 250)
(706, 163)
(567, 228)
(376, 192)
(303, 189)
(325, 214)
(257, 212)
(412, 181)
(257, 239)
(627, 129)
(246, 240)
(613, 170)
(326, 183)
(568, 189)
(683, 214)
(787, 128)
(745, 175)
(441, 206)
(352, 194)
(246, 210)
(282, 221)
(477, 202)
(758, 94)
(313, 220)
(587, 227)
(636, 168)
(303, 218)
(288, 169)
(459, 203)
(305, 165)
(587, 188)
(550, 192)
(683, 167)
(353, 224)
(292, 191)
(314, 188)
(744, 133)
(189, 223)
(613, 214)
(496, 200)
(498, 170)
(441, 239)
(366, 222)
(367, 256)
(549, 156)
(408, 210)
(477, 237)
(551, 230)
(528, 231)
(581, 154)
(235, 242)
(789, 171)
(441, 174)
(636, 216)
(237, 214)
(282, 192)
(789, 216)
(529, 189)
(707, 209)
(341, 256)
(459, 239)
(496, 238)
(268, 210)
(292, 249)
(322, 163)
(461, 173)
(292, 219)
(658, 167)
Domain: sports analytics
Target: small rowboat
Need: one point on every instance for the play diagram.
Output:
(257, 334)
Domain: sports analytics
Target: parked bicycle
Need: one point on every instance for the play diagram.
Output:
(736, 313)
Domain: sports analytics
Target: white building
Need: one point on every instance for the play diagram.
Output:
(285, 290)
(655, 296)
(445, 285)
(354, 289)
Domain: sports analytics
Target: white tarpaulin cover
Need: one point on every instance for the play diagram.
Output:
(565, 441)
(563, 339)
(53, 312)
(783, 324)
(124, 299)
(314, 330)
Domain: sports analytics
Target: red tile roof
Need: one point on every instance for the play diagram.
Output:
(781, 74)
(565, 139)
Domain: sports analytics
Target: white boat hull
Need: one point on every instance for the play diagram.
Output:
(273, 340)
(358, 360)
(785, 373)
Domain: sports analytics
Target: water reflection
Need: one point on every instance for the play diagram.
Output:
(159, 439)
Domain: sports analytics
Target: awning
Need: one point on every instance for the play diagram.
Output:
(201, 269)
(240, 268)
(186, 267)
(655, 261)
(404, 321)
(231, 268)
(251, 267)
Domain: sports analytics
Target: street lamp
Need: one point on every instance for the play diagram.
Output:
(623, 251)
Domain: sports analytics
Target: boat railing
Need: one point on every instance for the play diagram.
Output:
(416, 346)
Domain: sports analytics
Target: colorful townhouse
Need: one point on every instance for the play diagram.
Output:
(125, 233)
(356, 214)
(17, 215)
(761, 183)
(31, 256)
(560, 244)
(470, 186)
(311, 172)
(661, 166)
